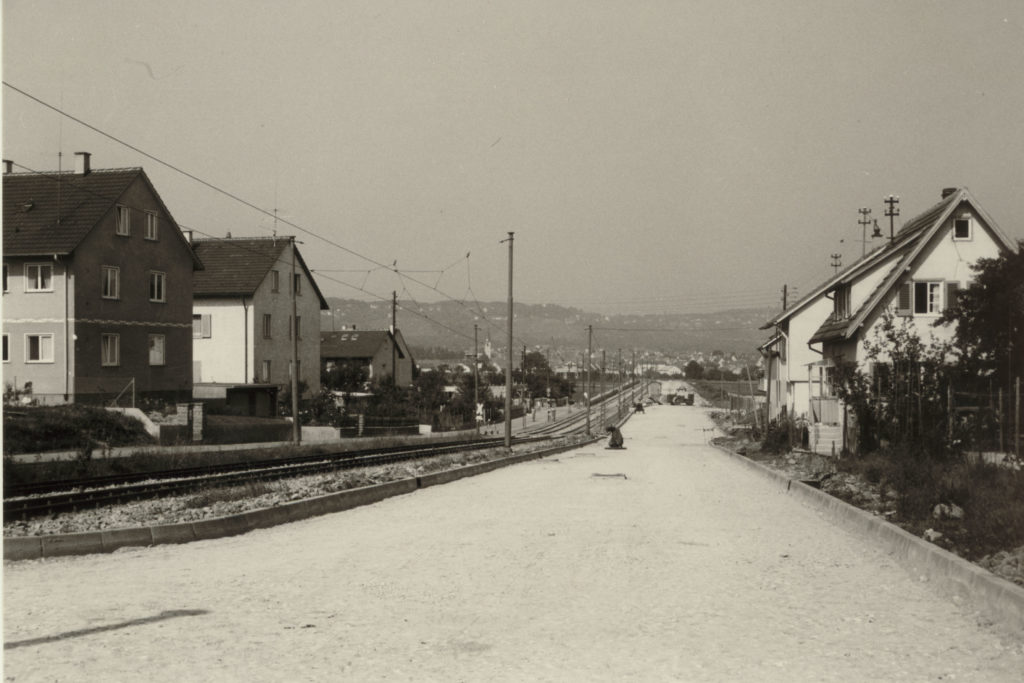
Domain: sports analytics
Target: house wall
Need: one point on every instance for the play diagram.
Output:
(945, 260)
(33, 313)
(133, 316)
(226, 355)
(801, 327)
(277, 348)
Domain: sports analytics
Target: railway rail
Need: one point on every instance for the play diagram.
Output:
(24, 501)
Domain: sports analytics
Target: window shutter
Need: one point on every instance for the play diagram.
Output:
(207, 326)
(952, 288)
(904, 303)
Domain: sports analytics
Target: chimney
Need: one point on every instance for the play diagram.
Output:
(8, 166)
(82, 163)
(946, 191)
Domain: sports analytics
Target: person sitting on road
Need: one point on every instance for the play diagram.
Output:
(615, 437)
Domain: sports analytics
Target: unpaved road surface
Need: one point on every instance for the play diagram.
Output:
(665, 561)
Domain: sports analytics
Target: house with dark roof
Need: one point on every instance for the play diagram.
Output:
(914, 276)
(383, 353)
(243, 320)
(97, 287)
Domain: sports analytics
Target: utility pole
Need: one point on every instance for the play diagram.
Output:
(508, 367)
(522, 374)
(620, 383)
(785, 293)
(864, 222)
(837, 261)
(892, 211)
(476, 380)
(604, 365)
(394, 339)
(296, 429)
(586, 394)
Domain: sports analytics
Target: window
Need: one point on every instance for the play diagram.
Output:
(202, 326)
(7, 348)
(962, 228)
(297, 286)
(275, 281)
(298, 327)
(266, 326)
(156, 349)
(111, 282)
(927, 298)
(265, 371)
(38, 348)
(110, 349)
(157, 286)
(5, 278)
(124, 220)
(841, 304)
(38, 277)
(152, 226)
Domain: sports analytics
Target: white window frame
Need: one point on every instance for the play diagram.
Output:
(275, 281)
(110, 349)
(297, 284)
(970, 228)
(152, 226)
(33, 282)
(42, 356)
(268, 326)
(124, 220)
(160, 280)
(265, 371)
(202, 325)
(158, 342)
(106, 272)
(933, 302)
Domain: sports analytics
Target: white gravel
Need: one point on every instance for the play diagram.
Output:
(688, 567)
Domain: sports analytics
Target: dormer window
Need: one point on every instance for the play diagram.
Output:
(841, 303)
(962, 228)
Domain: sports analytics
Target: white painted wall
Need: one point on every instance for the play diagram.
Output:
(222, 356)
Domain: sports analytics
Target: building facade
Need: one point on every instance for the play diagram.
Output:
(97, 288)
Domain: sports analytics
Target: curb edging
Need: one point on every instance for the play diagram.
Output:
(997, 598)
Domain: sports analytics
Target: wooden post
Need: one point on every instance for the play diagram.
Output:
(1016, 419)
(949, 411)
(1002, 418)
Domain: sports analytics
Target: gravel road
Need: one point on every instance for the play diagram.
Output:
(666, 561)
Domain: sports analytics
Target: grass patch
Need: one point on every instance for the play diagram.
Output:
(54, 428)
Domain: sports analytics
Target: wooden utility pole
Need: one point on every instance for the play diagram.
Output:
(892, 211)
(586, 394)
(476, 380)
(394, 338)
(296, 429)
(508, 368)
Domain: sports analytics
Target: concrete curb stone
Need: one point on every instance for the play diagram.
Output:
(997, 598)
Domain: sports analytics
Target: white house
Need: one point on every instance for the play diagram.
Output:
(242, 315)
(914, 276)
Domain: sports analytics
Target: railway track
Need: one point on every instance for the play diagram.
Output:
(25, 502)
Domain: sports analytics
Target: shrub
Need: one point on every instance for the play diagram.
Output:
(35, 429)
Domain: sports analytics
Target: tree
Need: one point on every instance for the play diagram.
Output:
(694, 370)
(989, 319)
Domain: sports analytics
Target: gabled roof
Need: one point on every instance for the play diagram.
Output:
(354, 344)
(236, 266)
(907, 245)
(51, 213)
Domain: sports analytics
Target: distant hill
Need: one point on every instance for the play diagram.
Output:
(449, 325)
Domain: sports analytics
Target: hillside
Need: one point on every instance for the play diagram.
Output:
(450, 325)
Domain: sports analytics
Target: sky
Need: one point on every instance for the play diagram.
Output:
(655, 156)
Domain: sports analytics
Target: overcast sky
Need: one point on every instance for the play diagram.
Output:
(649, 156)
